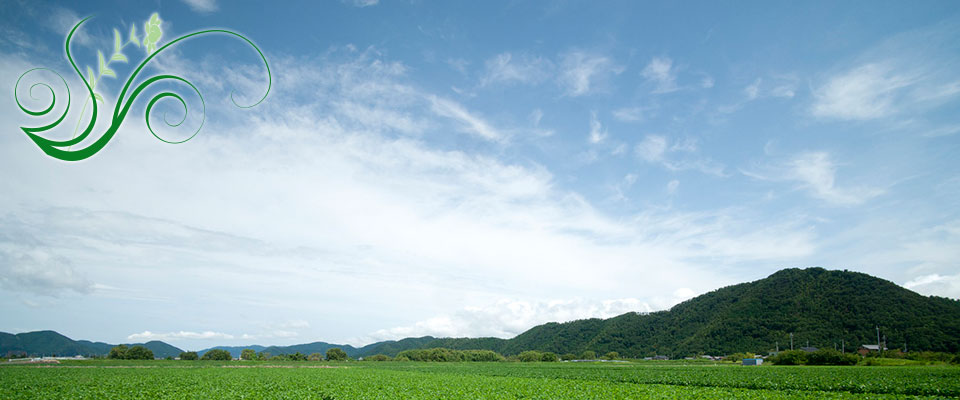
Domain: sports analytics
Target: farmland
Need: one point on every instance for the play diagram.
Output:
(410, 380)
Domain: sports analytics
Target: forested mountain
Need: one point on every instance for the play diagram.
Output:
(49, 343)
(820, 307)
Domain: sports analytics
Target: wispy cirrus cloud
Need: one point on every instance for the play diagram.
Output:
(597, 131)
(180, 335)
(911, 72)
(507, 68)
(629, 114)
(468, 121)
(361, 3)
(202, 6)
(866, 92)
(582, 73)
(816, 173)
(676, 155)
(662, 74)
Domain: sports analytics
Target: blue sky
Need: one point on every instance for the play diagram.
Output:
(476, 168)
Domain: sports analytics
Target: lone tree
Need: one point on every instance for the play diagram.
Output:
(588, 355)
(530, 356)
(548, 357)
(189, 355)
(315, 357)
(118, 352)
(248, 354)
(139, 353)
(336, 354)
(612, 355)
(217, 354)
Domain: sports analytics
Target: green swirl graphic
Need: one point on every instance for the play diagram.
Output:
(62, 149)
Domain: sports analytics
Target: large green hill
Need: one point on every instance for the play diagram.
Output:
(820, 307)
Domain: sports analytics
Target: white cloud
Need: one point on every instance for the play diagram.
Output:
(707, 82)
(202, 6)
(906, 74)
(679, 156)
(34, 269)
(753, 90)
(652, 148)
(936, 284)
(580, 71)
(458, 64)
(535, 116)
(361, 3)
(597, 133)
(672, 186)
(662, 74)
(507, 318)
(469, 122)
(628, 114)
(865, 92)
(174, 336)
(781, 86)
(816, 173)
(507, 68)
(783, 91)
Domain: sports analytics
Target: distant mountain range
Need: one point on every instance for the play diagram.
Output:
(50, 343)
(819, 307)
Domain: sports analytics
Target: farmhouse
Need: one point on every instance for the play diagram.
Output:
(867, 348)
(752, 361)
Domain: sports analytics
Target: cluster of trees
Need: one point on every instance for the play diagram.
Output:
(537, 356)
(819, 357)
(443, 355)
(928, 356)
(333, 354)
(122, 352)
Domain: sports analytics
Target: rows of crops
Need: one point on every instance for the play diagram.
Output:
(942, 381)
(445, 381)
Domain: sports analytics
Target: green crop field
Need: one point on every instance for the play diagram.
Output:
(398, 380)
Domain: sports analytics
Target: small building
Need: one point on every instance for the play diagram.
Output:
(752, 361)
(867, 348)
(661, 358)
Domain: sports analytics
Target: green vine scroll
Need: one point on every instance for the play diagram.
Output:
(63, 149)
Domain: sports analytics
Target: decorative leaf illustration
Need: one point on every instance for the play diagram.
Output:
(104, 70)
(133, 35)
(152, 33)
(91, 78)
(63, 149)
(117, 42)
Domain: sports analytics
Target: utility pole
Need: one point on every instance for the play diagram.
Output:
(778, 346)
(791, 341)
(878, 339)
(842, 349)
